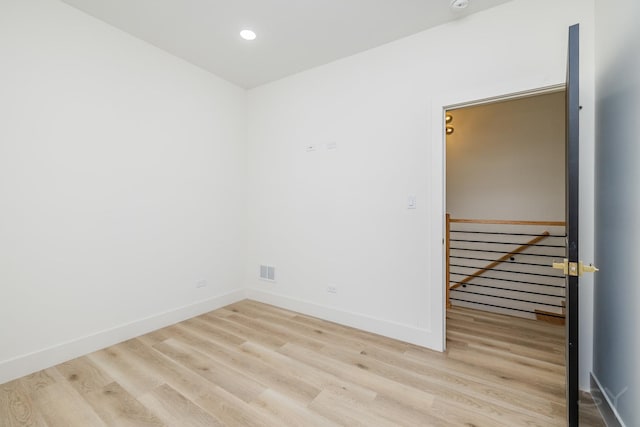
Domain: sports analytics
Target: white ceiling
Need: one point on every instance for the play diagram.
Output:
(293, 35)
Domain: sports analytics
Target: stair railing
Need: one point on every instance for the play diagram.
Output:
(518, 278)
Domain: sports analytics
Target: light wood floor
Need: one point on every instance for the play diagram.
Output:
(251, 364)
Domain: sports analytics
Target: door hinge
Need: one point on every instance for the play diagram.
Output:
(574, 268)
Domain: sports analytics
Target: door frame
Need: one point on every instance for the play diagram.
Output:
(439, 108)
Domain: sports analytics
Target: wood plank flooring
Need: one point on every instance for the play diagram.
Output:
(251, 364)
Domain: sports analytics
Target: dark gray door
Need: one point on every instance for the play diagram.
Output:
(573, 153)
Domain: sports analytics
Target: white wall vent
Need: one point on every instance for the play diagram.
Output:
(268, 272)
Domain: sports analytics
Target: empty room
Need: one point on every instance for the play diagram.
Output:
(319, 213)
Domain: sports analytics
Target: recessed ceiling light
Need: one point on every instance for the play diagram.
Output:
(248, 35)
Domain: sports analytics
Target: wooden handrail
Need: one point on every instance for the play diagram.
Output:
(507, 222)
(499, 260)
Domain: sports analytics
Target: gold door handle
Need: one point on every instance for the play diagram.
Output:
(574, 268)
(588, 268)
(564, 266)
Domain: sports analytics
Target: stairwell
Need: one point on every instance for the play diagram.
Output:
(506, 267)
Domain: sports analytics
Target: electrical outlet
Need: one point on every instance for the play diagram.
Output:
(332, 289)
(201, 284)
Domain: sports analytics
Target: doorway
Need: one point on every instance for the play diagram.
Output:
(505, 188)
(505, 200)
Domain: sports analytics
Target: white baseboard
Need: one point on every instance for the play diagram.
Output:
(51, 356)
(399, 331)
(607, 409)
(42, 359)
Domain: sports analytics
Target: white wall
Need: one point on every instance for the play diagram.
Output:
(506, 160)
(617, 293)
(122, 184)
(339, 217)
